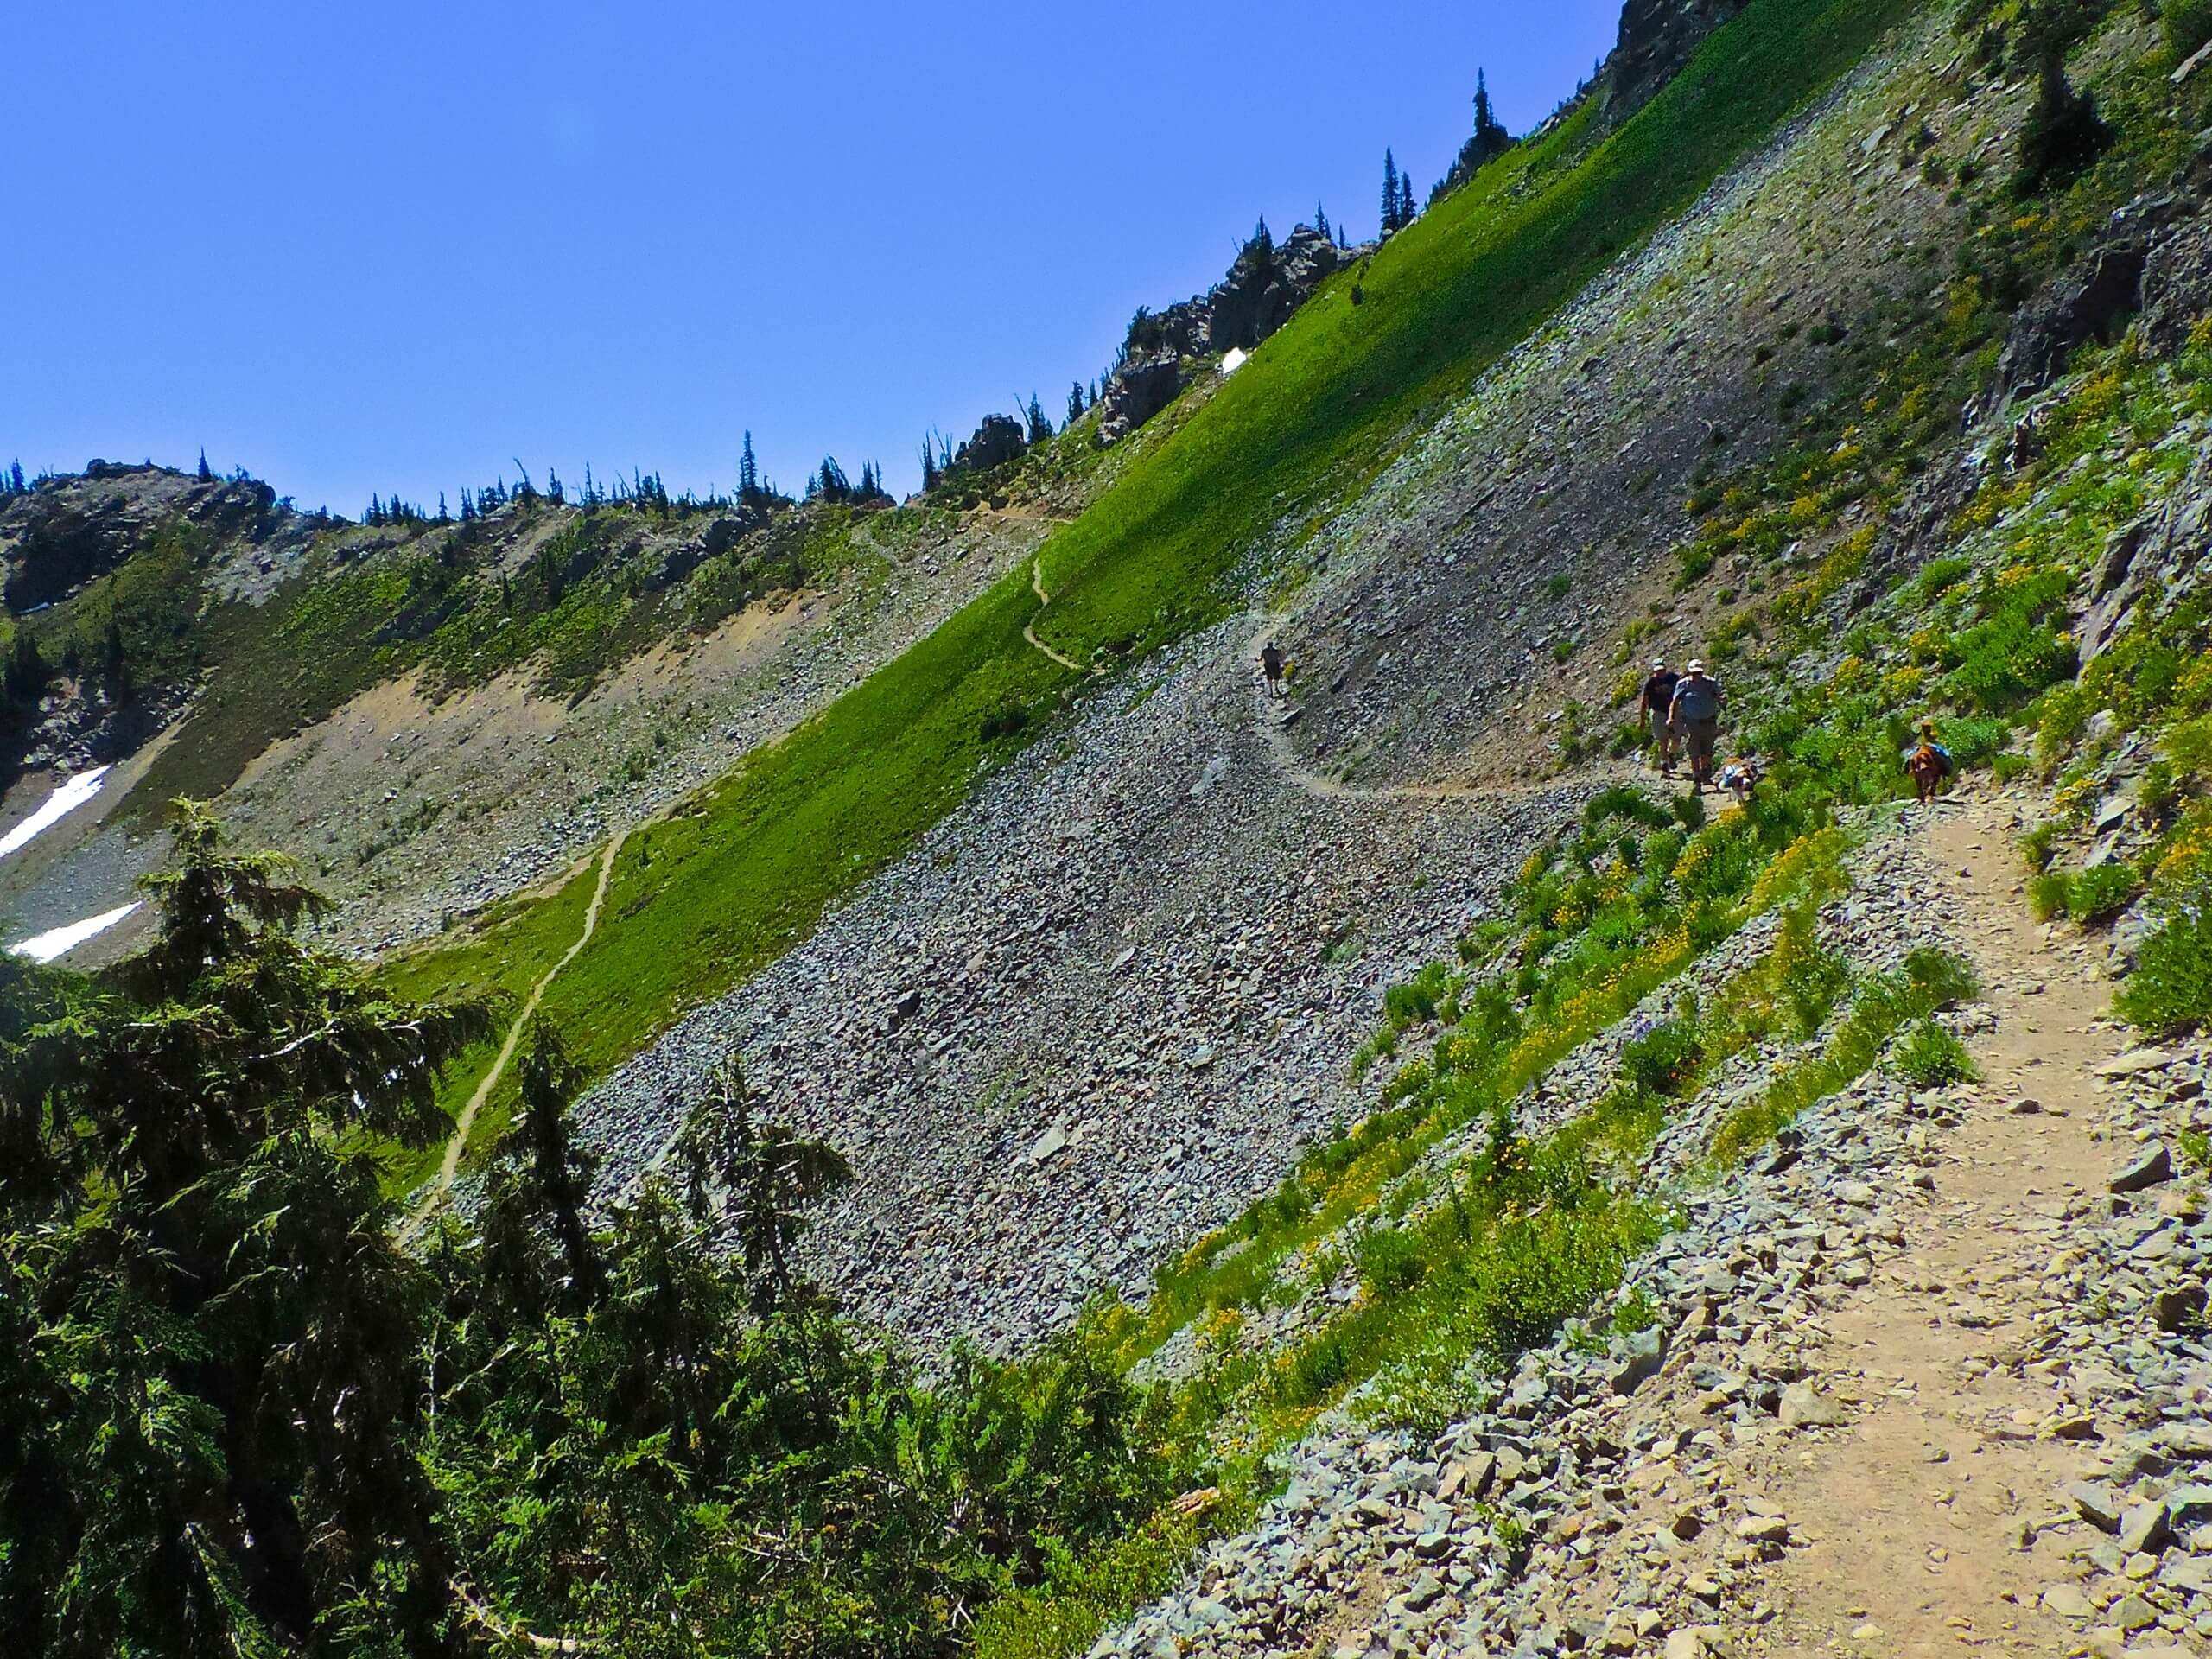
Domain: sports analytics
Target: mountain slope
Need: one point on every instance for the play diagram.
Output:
(744, 872)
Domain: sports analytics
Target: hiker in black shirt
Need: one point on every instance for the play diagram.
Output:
(1658, 702)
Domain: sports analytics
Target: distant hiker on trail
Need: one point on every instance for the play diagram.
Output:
(1696, 719)
(1271, 665)
(1657, 703)
(1928, 763)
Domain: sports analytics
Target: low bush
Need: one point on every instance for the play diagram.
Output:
(2047, 894)
(2171, 989)
(1930, 1057)
(2187, 24)
(2098, 895)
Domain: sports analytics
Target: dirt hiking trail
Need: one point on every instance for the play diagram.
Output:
(451, 1162)
(1918, 1521)
(1029, 628)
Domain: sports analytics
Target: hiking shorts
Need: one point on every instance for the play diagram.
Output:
(1698, 737)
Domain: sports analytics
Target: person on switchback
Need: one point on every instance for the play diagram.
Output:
(1928, 763)
(1271, 665)
(1654, 711)
(1696, 719)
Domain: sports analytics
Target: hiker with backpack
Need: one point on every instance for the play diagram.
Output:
(1657, 704)
(1694, 713)
(1271, 665)
(1928, 763)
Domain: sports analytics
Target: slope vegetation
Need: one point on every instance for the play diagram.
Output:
(746, 868)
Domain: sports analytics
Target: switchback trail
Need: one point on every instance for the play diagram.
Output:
(1029, 628)
(1284, 758)
(451, 1162)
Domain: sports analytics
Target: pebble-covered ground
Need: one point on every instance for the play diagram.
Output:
(1095, 1013)
(1930, 1377)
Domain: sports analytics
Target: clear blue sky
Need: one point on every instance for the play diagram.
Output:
(358, 248)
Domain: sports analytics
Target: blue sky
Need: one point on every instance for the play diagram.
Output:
(358, 249)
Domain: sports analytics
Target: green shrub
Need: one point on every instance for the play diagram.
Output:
(2064, 715)
(1663, 1059)
(1392, 1260)
(2048, 893)
(1974, 742)
(2037, 845)
(1807, 979)
(2187, 23)
(2189, 748)
(1417, 1001)
(1929, 1056)
(2171, 989)
(2098, 895)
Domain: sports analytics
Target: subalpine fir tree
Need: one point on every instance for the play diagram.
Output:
(930, 475)
(1075, 402)
(202, 1287)
(25, 674)
(115, 664)
(15, 485)
(1321, 220)
(206, 473)
(1038, 428)
(1390, 198)
(1406, 208)
(748, 474)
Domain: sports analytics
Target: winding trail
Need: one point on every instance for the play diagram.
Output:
(450, 1163)
(1029, 628)
(1275, 717)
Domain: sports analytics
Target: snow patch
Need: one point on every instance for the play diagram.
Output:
(58, 941)
(73, 794)
(1233, 360)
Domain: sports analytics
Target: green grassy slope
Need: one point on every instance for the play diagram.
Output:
(701, 902)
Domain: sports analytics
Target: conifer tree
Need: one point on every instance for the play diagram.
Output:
(1321, 220)
(1390, 198)
(1075, 402)
(25, 676)
(748, 474)
(931, 474)
(213, 1300)
(115, 664)
(15, 486)
(1038, 428)
(1406, 208)
(205, 473)
(764, 1175)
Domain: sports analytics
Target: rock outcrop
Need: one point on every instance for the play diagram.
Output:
(1266, 284)
(1657, 38)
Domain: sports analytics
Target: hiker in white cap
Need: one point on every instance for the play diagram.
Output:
(1653, 708)
(1696, 719)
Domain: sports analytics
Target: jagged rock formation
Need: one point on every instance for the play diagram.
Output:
(1657, 37)
(1265, 284)
(68, 530)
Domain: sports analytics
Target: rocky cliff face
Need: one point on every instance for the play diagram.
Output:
(72, 529)
(1266, 284)
(1657, 38)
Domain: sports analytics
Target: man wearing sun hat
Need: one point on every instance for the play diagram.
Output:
(1653, 708)
(1696, 719)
